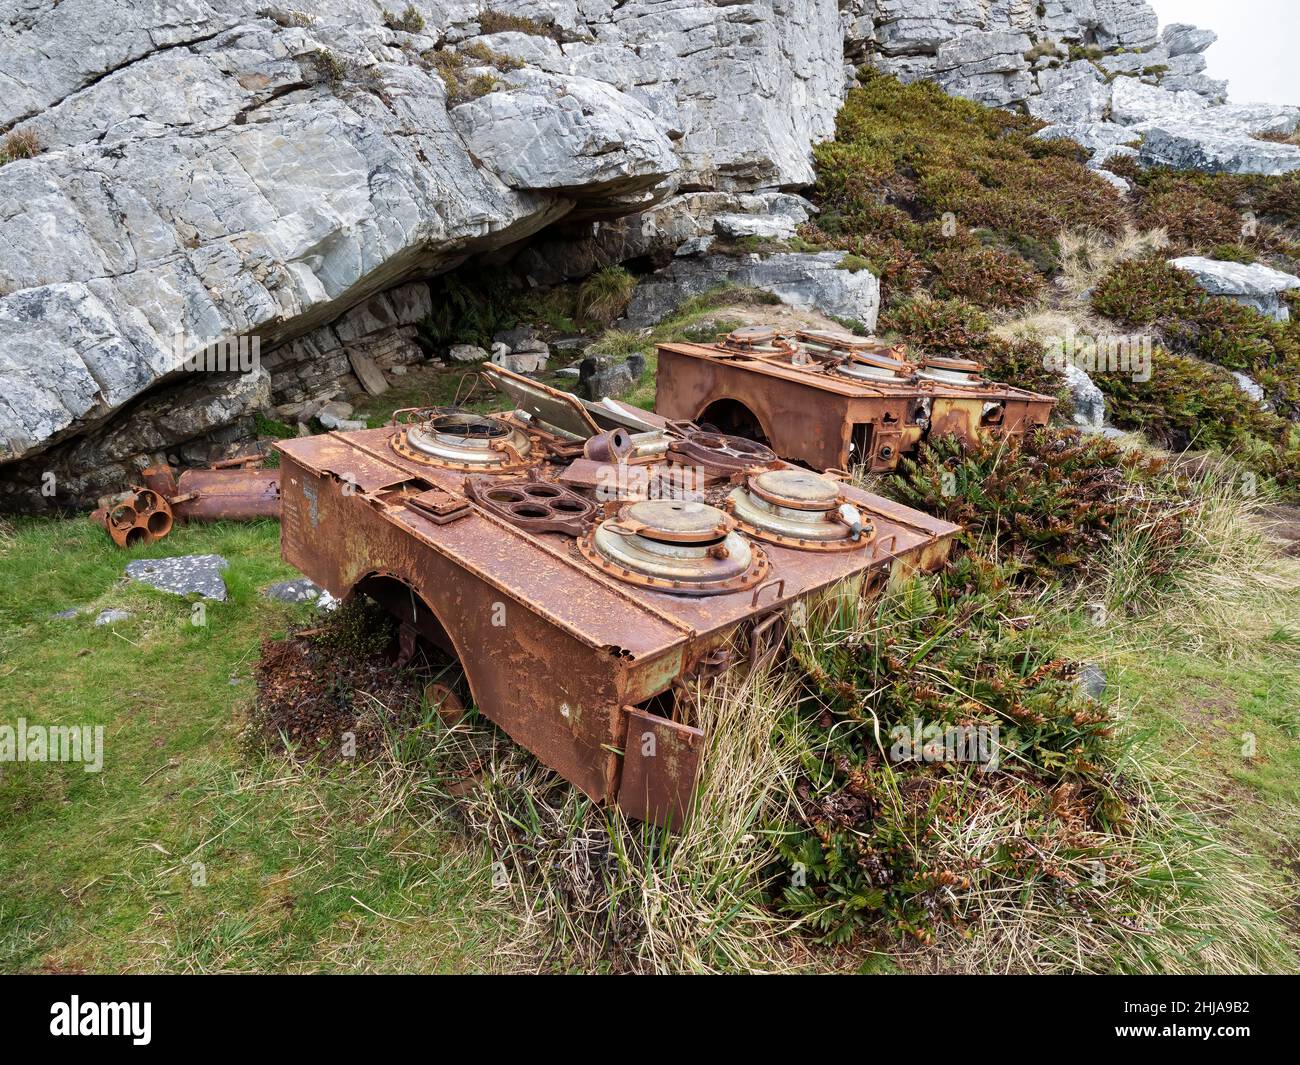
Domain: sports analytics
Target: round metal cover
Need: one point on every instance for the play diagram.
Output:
(801, 489)
(799, 509)
(830, 339)
(874, 366)
(752, 334)
(461, 440)
(960, 372)
(684, 521)
(677, 546)
(720, 452)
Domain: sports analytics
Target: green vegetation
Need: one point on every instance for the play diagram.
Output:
(912, 173)
(454, 67)
(185, 854)
(498, 22)
(604, 295)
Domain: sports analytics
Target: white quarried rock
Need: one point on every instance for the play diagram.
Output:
(1252, 284)
(811, 281)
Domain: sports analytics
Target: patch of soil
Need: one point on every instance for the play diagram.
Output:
(311, 695)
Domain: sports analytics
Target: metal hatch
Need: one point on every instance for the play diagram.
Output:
(559, 412)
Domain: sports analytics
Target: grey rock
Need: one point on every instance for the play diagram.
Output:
(333, 414)
(810, 281)
(182, 575)
(467, 353)
(738, 226)
(696, 246)
(1133, 101)
(110, 616)
(1183, 39)
(299, 590)
(1250, 386)
(65, 615)
(552, 134)
(1252, 284)
(1186, 147)
(1089, 400)
(522, 362)
(599, 377)
(516, 337)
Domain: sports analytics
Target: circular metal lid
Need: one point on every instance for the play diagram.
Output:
(683, 521)
(799, 489)
(752, 334)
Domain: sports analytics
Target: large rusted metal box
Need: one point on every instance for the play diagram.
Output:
(836, 401)
(570, 595)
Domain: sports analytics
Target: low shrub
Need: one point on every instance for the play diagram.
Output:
(1045, 506)
(880, 811)
(604, 295)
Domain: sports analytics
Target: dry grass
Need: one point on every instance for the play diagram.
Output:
(598, 893)
(19, 144)
(1088, 256)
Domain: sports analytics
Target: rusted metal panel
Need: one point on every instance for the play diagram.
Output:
(811, 403)
(661, 766)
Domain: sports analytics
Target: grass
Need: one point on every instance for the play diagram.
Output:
(375, 868)
(98, 870)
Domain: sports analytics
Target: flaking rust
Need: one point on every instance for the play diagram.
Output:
(835, 400)
(580, 605)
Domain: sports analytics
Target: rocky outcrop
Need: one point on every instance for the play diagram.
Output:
(818, 281)
(218, 168)
(213, 169)
(1251, 284)
(1099, 71)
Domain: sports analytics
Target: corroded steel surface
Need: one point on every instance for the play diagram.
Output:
(833, 403)
(135, 518)
(561, 652)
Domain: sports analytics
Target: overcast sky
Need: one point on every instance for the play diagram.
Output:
(1258, 49)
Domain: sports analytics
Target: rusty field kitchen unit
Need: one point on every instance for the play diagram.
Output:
(834, 400)
(554, 552)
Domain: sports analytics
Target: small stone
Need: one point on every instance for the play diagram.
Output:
(371, 377)
(182, 575)
(65, 615)
(397, 371)
(298, 590)
(333, 413)
(468, 353)
(568, 371)
(108, 617)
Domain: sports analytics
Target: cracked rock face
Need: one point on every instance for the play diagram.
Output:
(294, 170)
(216, 168)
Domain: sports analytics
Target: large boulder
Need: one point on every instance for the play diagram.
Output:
(225, 168)
(1252, 284)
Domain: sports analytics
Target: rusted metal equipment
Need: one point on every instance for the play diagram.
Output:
(576, 595)
(230, 490)
(135, 518)
(233, 490)
(835, 400)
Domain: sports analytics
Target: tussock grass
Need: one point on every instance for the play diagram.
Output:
(1087, 256)
(600, 893)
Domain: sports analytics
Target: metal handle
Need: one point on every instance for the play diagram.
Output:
(780, 590)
